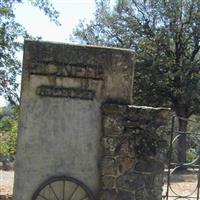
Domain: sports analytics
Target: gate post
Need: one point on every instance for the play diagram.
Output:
(134, 143)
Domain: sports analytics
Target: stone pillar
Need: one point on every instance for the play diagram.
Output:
(63, 88)
(133, 144)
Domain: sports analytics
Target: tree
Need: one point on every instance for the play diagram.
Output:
(165, 36)
(10, 32)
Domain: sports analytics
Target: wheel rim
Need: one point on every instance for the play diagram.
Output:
(63, 188)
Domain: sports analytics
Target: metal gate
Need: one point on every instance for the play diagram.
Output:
(182, 180)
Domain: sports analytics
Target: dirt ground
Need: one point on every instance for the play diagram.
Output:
(6, 184)
(181, 184)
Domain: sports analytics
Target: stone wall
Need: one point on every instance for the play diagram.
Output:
(133, 145)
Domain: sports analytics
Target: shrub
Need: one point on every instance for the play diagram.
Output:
(8, 134)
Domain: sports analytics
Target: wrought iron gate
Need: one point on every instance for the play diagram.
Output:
(180, 177)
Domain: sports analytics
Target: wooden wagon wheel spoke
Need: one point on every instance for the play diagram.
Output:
(63, 188)
(74, 191)
(43, 197)
(53, 192)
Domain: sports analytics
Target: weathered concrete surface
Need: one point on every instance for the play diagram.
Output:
(57, 137)
(107, 71)
(63, 87)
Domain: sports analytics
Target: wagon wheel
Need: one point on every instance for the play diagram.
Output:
(63, 188)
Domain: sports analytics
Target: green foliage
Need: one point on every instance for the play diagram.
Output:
(194, 125)
(194, 137)
(165, 37)
(8, 134)
(191, 154)
(10, 34)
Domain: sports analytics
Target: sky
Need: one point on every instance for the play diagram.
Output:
(71, 11)
(37, 24)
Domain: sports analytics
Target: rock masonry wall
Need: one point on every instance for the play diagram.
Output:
(133, 147)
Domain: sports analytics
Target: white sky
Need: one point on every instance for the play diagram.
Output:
(37, 24)
(71, 11)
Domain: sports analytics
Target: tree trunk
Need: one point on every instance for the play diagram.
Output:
(182, 145)
(181, 110)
